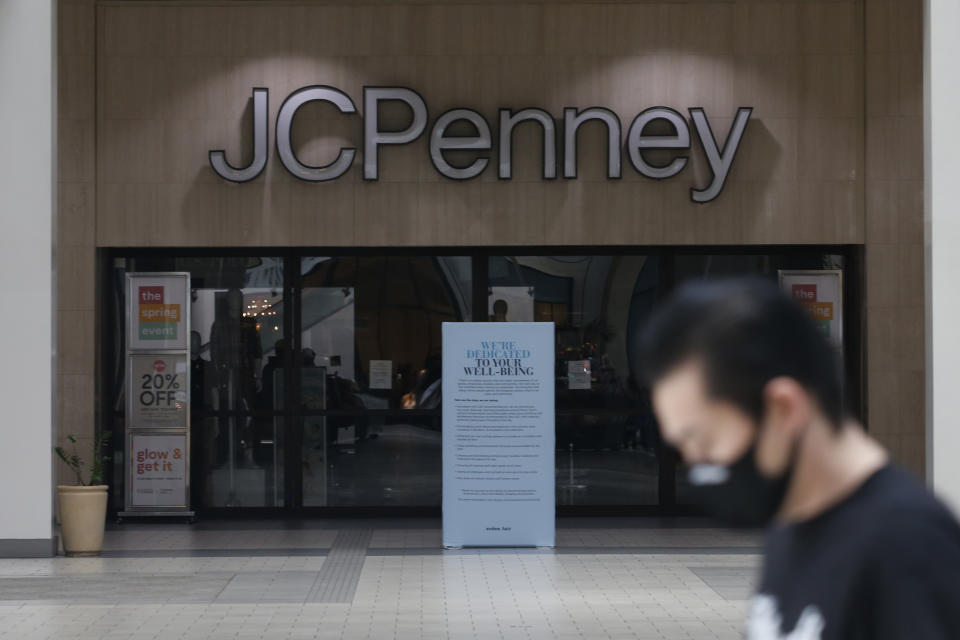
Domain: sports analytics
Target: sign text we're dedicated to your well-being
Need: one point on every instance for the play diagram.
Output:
(441, 140)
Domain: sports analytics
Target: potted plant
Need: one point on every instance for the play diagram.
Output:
(83, 507)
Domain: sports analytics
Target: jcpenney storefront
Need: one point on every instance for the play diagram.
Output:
(338, 180)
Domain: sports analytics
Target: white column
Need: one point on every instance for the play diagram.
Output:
(27, 200)
(942, 240)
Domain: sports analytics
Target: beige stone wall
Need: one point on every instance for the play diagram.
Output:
(832, 154)
(894, 240)
(75, 248)
(175, 81)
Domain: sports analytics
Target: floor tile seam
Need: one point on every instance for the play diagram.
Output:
(344, 585)
(340, 586)
(316, 587)
(349, 551)
(351, 546)
(325, 582)
(185, 554)
(336, 567)
(347, 534)
(340, 573)
(123, 574)
(359, 539)
(328, 585)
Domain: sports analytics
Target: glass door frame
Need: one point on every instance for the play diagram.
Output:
(294, 413)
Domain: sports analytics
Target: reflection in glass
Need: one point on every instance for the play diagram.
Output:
(238, 353)
(357, 310)
(400, 466)
(607, 442)
(363, 378)
(603, 461)
(511, 304)
(371, 340)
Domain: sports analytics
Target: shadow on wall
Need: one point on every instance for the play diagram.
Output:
(764, 207)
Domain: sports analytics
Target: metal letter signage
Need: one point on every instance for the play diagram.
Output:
(373, 137)
(440, 142)
(289, 159)
(480, 139)
(637, 142)
(572, 119)
(508, 120)
(720, 161)
(218, 159)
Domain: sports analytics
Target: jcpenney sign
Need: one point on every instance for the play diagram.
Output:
(719, 156)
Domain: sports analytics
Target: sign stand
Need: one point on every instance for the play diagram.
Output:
(499, 477)
(157, 408)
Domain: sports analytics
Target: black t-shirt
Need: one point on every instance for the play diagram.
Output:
(882, 564)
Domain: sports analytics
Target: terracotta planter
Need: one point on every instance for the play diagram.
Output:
(83, 512)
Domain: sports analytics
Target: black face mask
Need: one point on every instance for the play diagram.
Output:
(738, 493)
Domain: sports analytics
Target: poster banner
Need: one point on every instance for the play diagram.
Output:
(157, 416)
(157, 306)
(498, 434)
(158, 470)
(158, 391)
(381, 374)
(820, 292)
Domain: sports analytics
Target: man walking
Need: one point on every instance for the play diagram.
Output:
(750, 393)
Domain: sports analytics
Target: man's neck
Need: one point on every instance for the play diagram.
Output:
(830, 466)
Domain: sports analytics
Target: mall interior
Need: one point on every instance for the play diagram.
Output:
(562, 161)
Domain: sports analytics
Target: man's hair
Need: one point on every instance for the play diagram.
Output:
(745, 332)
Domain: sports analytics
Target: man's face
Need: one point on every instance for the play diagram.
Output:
(712, 431)
(701, 428)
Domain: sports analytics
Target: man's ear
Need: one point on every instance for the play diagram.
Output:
(786, 405)
(786, 413)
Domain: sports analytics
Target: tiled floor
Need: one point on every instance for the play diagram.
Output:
(638, 578)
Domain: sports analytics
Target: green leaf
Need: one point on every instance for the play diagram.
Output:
(76, 464)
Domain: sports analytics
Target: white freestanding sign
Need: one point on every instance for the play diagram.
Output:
(498, 434)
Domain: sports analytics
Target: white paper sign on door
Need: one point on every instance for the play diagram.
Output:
(498, 434)
(381, 374)
(578, 374)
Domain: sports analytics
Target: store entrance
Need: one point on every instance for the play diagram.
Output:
(368, 335)
(316, 378)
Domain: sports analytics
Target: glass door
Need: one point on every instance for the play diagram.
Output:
(368, 356)
(237, 338)
(316, 380)
(237, 389)
(608, 449)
